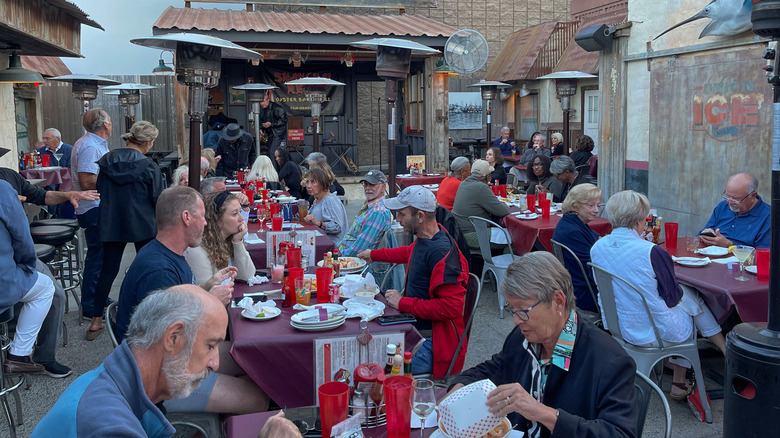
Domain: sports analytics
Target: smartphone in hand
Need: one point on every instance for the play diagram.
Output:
(707, 234)
(396, 319)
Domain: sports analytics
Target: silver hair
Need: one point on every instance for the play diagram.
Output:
(317, 157)
(562, 164)
(158, 311)
(172, 203)
(204, 163)
(181, 170)
(579, 195)
(55, 132)
(544, 137)
(557, 135)
(93, 119)
(627, 208)
(752, 184)
(207, 184)
(536, 276)
(457, 165)
(505, 128)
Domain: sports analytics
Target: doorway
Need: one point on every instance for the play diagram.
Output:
(590, 121)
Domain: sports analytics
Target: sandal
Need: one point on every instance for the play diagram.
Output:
(91, 335)
(680, 397)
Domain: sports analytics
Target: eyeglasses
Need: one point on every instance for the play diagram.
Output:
(733, 200)
(522, 314)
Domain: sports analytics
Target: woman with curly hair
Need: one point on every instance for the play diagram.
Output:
(222, 243)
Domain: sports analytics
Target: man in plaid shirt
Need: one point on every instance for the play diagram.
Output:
(372, 220)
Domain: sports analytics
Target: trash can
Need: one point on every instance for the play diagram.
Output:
(752, 388)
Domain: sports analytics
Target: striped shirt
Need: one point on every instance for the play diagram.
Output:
(367, 230)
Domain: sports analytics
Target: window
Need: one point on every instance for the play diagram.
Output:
(528, 111)
(415, 110)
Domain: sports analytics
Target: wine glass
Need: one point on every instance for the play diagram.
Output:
(423, 401)
(742, 252)
(262, 215)
(58, 157)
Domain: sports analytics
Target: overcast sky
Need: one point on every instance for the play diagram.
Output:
(110, 52)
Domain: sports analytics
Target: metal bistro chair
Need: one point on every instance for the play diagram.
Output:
(644, 389)
(111, 323)
(496, 265)
(647, 357)
(559, 250)
(469, 310)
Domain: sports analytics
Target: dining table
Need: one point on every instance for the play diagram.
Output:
(529, 233)
(405, 180)
(53, 175)
(280, 358)
(721, 292)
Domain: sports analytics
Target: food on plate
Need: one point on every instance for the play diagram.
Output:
(499, 431)
(348, 262)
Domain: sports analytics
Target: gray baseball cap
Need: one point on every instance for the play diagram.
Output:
(374, 177)
(413, 196)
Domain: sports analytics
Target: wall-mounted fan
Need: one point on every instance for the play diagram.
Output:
(466, 51)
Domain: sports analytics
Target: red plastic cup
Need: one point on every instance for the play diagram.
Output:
(275, 209)
(45, 160)
(264, 192)
(324, 279)
(333, 405)
(293, 258)
(276, 222)
(531, 200)
(398, 404)
(762, 264)
(545, 206)
(250, 194)
(260, 184)
(542, 196)
(670, 234)
(502, 190)
(240, 177)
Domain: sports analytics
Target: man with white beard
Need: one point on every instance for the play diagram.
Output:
(171, 345)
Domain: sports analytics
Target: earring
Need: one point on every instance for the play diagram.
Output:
(560, 314)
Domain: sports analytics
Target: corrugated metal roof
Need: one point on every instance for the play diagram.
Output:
(49, 66)
(531, 52)
(575, 58)
(76, 13)
(188, 19)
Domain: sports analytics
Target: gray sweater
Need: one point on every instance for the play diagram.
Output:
(475, 198)
(331, 211)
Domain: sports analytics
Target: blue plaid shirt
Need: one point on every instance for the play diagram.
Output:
(366, 231)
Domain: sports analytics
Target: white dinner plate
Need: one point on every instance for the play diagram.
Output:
(752, 269)
(692, 262)
(527, 216)
(360, 264)
(270, 313)
(328, 323)
(317, 328)
(713, 251)
(373, 304)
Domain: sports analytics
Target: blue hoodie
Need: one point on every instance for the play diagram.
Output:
(17, 263)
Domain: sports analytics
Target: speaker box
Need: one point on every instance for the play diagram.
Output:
(594, 38)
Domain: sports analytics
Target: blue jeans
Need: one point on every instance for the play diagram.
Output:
(94, 259)
(422, 361)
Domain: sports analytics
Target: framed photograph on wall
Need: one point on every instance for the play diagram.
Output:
(465, 110)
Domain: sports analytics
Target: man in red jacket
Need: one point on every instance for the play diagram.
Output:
(436, 281)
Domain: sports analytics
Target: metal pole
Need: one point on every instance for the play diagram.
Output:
(391, 90)
(488, 143)
(257, 136)
(316, 137)
(773, 318)
(566, 144)
(195, 152)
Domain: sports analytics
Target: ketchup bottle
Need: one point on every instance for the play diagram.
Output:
(288, 289)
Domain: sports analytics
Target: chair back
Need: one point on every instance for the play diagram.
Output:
(111, 323)
(389, 281)
(605, 280)
(560, 251)
(510, 179)
(583, 168)
(383, 272)
(482, 227)
(644, 389)
(469, 310)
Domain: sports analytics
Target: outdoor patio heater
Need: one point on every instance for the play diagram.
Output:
(751, 387)
(489, 91)
(129, 95)
(85, 87)
(565, 88)
(393, 59)
(198, 66)
(255, 93)
(314, 89)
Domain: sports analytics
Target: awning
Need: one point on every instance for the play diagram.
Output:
(48, 66)
(575, 58)
(531, 52)
(242, 26)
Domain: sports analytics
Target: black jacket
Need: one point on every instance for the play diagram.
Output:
(275, 114)
(235, 156)
(595, 398)
(129, 184)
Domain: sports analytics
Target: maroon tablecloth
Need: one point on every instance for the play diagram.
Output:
(258, 251)
(720, 291)
(53, 176)
(525, 232)
(418, 180)
(280, 359)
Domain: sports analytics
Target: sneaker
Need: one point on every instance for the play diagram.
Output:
(21, 365)
(56, 370)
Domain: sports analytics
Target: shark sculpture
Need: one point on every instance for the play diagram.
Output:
(727, 17)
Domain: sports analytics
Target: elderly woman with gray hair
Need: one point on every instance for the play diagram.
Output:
(474, 198)
(460, 169)
(565, 172)
(556, 373)
(650, 268)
